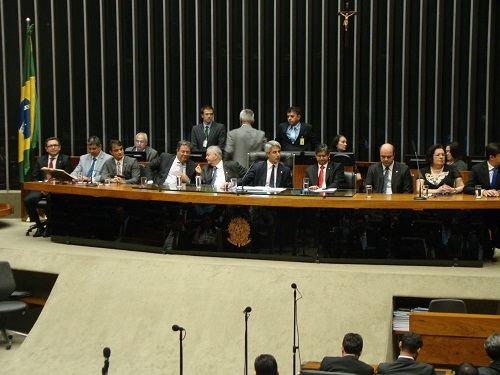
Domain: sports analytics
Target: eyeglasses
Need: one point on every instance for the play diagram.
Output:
(52, 146)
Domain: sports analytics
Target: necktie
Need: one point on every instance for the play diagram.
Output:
(293, 134)
(271, 179)
(51, 165)
(321, 177)
(119, 168)
(91, 170)
(206, 131)
(214, 176)
(386, 180)
(494, 178)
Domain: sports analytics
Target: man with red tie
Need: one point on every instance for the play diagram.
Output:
(325, 174)
(53, 159)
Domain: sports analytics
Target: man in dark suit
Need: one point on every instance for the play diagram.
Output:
(166, 168)
(216, 172)
(120, 169)
(295, 135)
(208, 133)
(351, 348)
(53, 159)
(487, 175)
(492, 347)
(398, 179)
(407, 363)
(271, 173)
(325, 174)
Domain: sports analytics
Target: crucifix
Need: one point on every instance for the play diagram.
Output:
(347, 14)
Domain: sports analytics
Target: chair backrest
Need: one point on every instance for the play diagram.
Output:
(350, 179)
(287, 158)
(448, 305)
(7, 283)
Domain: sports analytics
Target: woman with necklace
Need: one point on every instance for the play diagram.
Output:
(453, 156)
(439, 176)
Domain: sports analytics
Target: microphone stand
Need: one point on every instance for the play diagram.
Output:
(181, 356)
(246, 341)
(92, 183)
(295, 346)
(419, 198)
(243, 179)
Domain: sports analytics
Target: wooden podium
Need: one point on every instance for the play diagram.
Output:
(454, 338)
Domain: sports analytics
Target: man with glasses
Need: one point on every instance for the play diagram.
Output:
(141, 145)
(53, 159)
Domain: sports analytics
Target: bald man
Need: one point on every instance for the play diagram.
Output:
(389, 176)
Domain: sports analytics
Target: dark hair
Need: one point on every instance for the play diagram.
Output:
(114, 142)
(183, 143)
(492, 149)
(206, 106)
(321, 147)
(353, 343)
(492, 346)
(336, 141)
(265, 364)
(455, 150)
(93, 140)
(466, 368)
(411, 342)
(429, 154)
(297, 110)
(52, 139)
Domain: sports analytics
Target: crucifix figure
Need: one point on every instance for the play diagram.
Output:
(346, 14)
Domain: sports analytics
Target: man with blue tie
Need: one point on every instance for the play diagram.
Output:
(486, 174)
(296, 135)
(90, 165)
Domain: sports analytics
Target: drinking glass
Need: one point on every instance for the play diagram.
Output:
(305, 183)
(478, 191)
(425, 191)
(369, 191)
(198, 182)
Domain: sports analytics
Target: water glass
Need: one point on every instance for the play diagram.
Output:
(478, 189)
(79, 178)
(234, 183)
(107, 182)
(425, 191)
(198, 182)
(305, 183)
(179, 182)
(369, 191)
(144, 181)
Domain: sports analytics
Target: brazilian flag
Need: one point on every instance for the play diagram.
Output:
(29, 118)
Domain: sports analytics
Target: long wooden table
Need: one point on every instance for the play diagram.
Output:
(290, 198)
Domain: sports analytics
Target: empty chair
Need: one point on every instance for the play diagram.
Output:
(448, 305)
(350, 179)
(7, 286)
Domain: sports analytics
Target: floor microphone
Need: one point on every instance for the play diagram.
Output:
(419, 198)
(106, 353)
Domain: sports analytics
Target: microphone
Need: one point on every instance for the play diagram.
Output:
(243, 178)
(247, 310)
(106, 353)
(294, 286)
(92, 183)
(176, 328)
(419, 198)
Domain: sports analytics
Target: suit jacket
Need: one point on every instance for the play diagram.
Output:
(159, 167)
(151, 153)
(306, 132)
(480, 175)
(401, 180)
(348, 364)
(86, 162)
(232, 169)
(130, 170)
(492, 369)
(406, 366)
(256, 176)
(62, 162)
(334, 175)
(216, 136)
(243, 140)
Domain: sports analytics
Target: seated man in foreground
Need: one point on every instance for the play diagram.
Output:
(409, 348)
(351, 348)
(120, 169)
(271, 173)
(325, 174)
(492, 347)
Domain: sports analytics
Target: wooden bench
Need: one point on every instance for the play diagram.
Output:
(6, 209)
